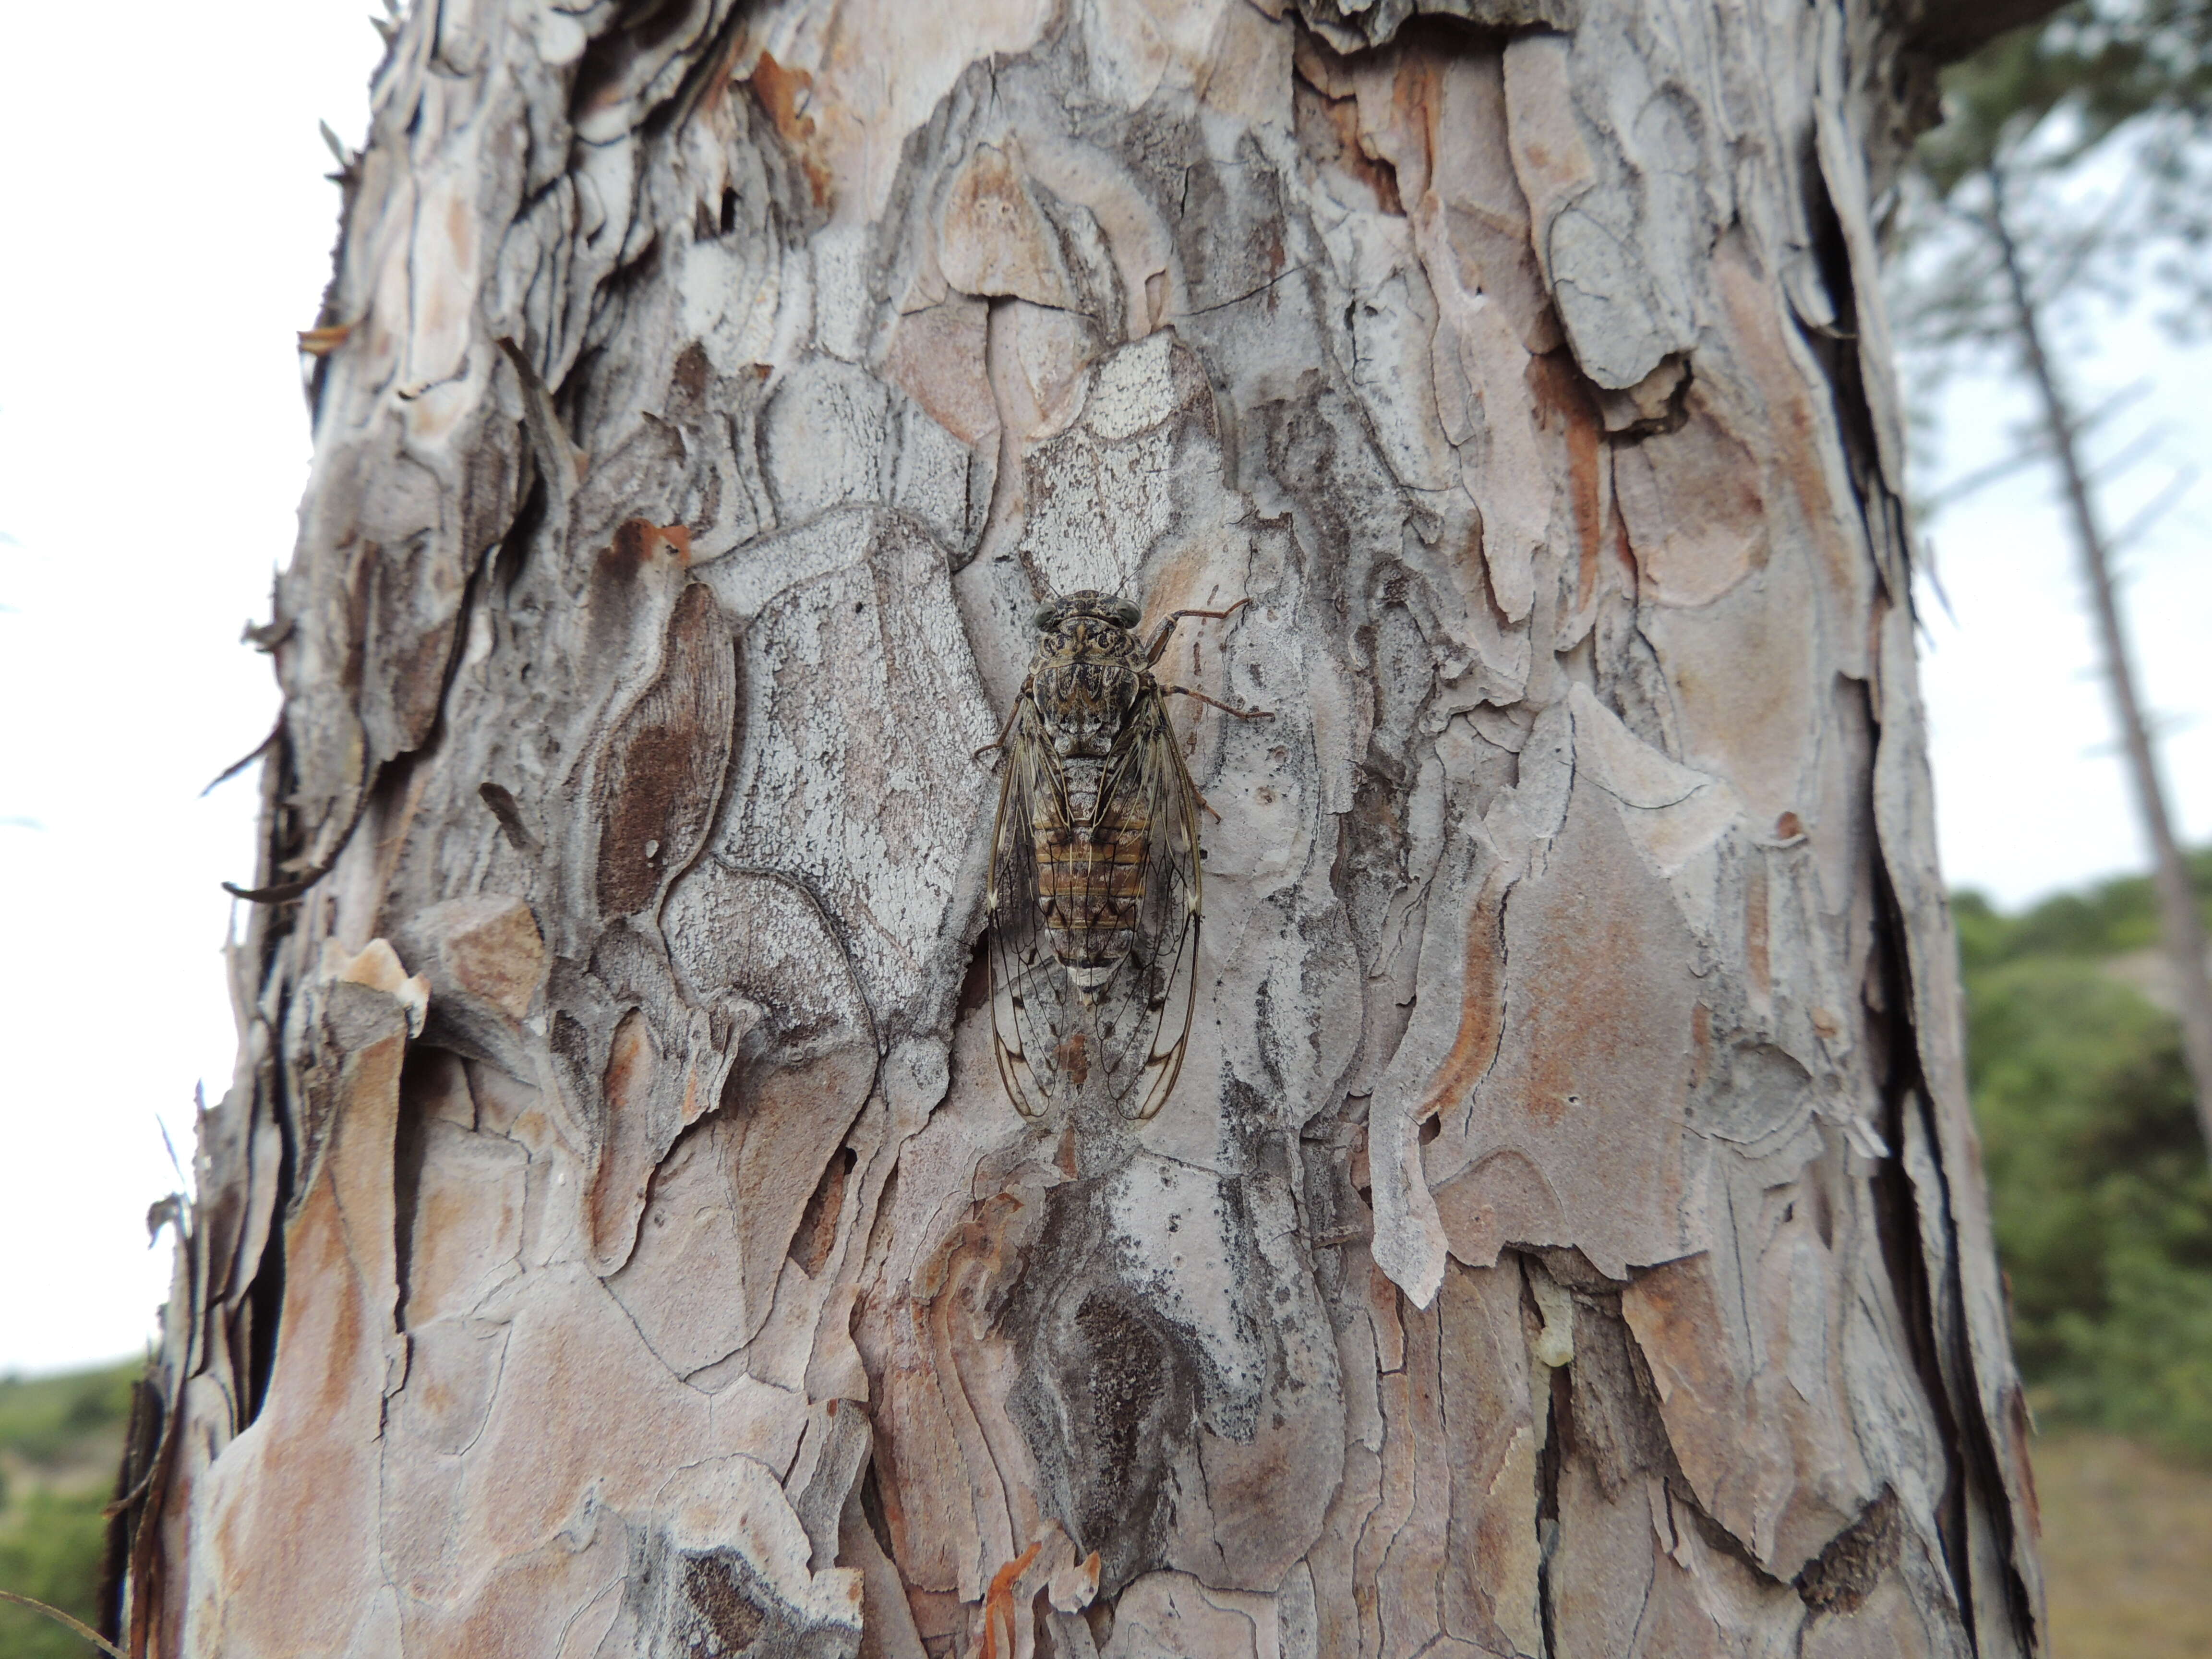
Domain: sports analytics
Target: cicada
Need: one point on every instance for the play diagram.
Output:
(1094, 901)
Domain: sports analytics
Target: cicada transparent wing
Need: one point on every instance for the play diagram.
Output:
(1030, 1003)
(1094, 917)
(1158, 980)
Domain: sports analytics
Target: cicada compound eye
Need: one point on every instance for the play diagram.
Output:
(1125, 615)
(1047, 617)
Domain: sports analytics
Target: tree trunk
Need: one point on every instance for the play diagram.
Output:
(1567, 1237)
(2180, 927)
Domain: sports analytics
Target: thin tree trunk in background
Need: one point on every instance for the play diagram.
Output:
(2180, 923)
(1567, 1236)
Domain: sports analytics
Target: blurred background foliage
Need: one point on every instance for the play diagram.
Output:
(2098, 1177)
(61, 1442)
(2039, 109)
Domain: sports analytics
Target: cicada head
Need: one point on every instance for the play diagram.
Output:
(1088, 605)
(1089, 669)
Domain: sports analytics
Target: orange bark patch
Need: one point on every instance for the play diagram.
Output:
(622, 1168)
(293, 1508)
(936, 356)
(993, 240)
(999, 1605)
(1329, 130)
(629, 1062)
(780, 92)
(637, 540)
(497, 955)
(1798, 439)
(1577, 1129)
(1482, 1002)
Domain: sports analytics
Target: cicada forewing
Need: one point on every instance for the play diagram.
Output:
(1029, 1014)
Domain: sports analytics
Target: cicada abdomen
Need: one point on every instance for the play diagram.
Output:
(1094, 903)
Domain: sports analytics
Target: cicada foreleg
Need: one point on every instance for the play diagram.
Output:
(1240, 714)
(1168, 625)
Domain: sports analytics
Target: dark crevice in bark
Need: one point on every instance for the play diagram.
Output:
(1714, 1534)
(142, 1441)
(1837, 350)
(637, 26)
(264, 1297)
(410, 1140)
(384, 778)
(514, 550)
(1099, 1616)
(710, 63)
(816, 1234)
(872, 1509)
(1549, 1462)
(282, 892)
(263, 1300)
(1897, 1220)
(1831, 257)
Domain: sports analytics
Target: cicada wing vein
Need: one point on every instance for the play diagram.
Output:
(1161, 983)
(1028, 1000)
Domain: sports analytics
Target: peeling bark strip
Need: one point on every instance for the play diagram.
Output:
(1567, 1237)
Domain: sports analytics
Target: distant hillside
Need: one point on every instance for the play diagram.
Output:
(2098, 1173)
(61, 1438)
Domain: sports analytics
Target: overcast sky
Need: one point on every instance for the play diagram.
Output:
(167, 228)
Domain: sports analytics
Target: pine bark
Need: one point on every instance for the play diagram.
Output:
(1567, 1236)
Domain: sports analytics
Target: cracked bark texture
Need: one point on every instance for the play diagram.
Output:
(1567, 1238)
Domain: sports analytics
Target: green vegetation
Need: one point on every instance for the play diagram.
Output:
(2098, 1177)
(60, 1440)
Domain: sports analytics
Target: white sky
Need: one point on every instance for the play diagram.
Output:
(165, 228)
(2031, 794)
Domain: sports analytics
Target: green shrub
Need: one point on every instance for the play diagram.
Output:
(51, 1551)
(2098, 1175)
(46, 1420)
(65, 1433)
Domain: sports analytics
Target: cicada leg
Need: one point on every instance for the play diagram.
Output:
(1012, 714)
(1168, 623)
(1240, 714)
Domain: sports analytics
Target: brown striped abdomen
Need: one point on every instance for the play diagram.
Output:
(1091, 880)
